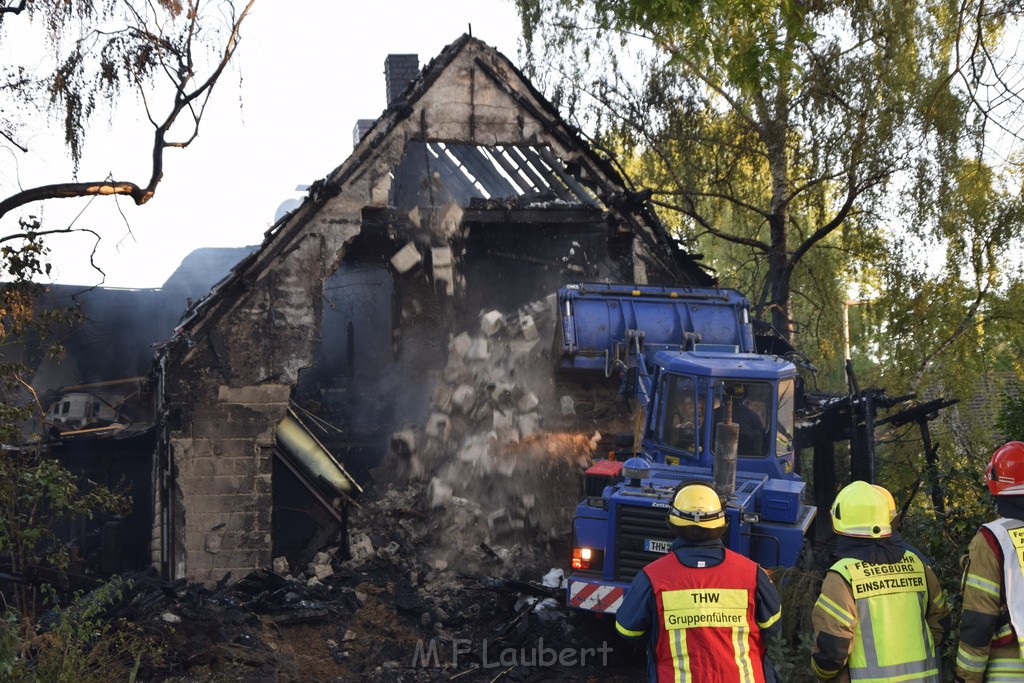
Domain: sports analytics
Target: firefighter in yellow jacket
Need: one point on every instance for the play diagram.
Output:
(881, 614)
(992, 625)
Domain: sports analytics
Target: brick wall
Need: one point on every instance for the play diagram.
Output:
(399, 71)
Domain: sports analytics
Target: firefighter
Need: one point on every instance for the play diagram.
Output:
(991, 644)
(881, 614)
(703, 610)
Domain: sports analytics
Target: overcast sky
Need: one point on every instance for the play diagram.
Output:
(309, 69)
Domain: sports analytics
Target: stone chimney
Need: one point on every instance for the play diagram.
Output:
(362, 125)
(399, 71)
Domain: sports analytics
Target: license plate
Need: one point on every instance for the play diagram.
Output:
(654, 546)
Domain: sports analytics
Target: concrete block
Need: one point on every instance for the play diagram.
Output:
(499, 523)
(414, 217)
(322, 571)
(360, 546)
(478, 351)
(438, 493)
(212, 543)
(506, 466)
(522, 349)
(528, 402)
(406, 258)
(441, 256)
(258, 394)
(438, 426)
(491, 323)
(403, 442)
(441, 399)
(528, 327)
(461, 345)
(502, 393)
(474, 451)
(567, 405)
(503, 420)
(464, 398)
(281, 565)
(528, 424)
(446, 276)
(451, 220)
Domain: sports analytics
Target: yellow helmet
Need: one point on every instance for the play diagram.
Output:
(860, 510)
(696, 504)
(888, 499)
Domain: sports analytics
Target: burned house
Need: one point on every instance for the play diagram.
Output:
(468, 194)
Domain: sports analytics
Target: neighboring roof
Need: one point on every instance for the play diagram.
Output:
(200, 270)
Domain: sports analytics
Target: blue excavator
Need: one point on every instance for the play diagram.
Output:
(713, 399)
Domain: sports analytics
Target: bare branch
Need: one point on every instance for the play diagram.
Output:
(15, 9)
(185, 99)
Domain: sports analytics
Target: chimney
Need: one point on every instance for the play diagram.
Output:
(362, 125)
(399, 71)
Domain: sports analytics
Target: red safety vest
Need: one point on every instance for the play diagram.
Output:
(707, 631)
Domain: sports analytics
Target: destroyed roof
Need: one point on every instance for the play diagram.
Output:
(476, 171)
(491, 175)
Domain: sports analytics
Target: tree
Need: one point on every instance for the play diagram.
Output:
(170, 54)
(84, 58)
(774, 127)
(35, 489)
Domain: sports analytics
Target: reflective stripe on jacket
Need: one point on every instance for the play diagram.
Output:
(708, 630)
(1010, 535)
(892, 639)
(988, 648)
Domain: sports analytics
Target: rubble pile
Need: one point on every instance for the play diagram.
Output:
(502, 452)
(385, 614)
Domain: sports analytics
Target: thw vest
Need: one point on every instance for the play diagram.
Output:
(892, 641)
(1010, 535)
(707, 631)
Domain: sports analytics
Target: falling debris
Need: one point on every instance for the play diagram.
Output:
(406, 258)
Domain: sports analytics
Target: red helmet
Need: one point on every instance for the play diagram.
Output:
(1005, 471)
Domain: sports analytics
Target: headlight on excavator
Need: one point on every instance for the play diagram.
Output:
(587, 558)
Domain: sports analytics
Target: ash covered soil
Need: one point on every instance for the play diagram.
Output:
(451, 567)
(397, 613)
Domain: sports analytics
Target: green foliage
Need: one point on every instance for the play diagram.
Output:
(10, 642)
(83, 644)
(1010, 420)
(791, 652)
(770, 127)
(35, 492)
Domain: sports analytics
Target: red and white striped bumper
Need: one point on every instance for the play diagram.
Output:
(595, 596)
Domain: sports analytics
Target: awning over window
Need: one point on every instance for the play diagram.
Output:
(301, 451)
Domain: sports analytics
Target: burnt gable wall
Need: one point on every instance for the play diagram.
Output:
(229, 374)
